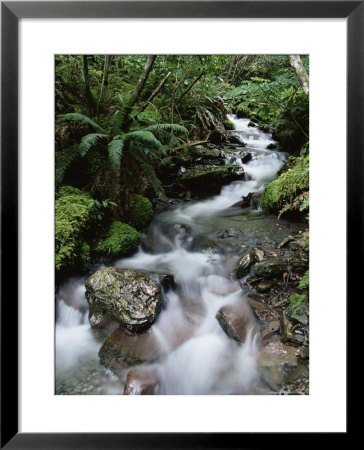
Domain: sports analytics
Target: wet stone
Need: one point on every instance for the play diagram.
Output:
(121, 350)
(270, 268)
(264, 286)
(132, 298)
(276, 361)
(257, 254)
(244, 265)
(140, 382)
(236, 320)
(263, 311)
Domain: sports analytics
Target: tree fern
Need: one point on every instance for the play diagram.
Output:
(115, 148)
(89, 141)
(77, 117)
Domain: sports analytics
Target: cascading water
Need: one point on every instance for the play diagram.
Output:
(199, 358)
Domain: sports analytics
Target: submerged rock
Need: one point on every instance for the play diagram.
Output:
(121, 350)
(132, 298)
(245, 202)
(140, 382)
(236, 320)
(247, 157)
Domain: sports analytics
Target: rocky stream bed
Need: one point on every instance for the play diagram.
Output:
(204, 305)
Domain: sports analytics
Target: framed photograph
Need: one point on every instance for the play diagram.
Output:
(166, 277)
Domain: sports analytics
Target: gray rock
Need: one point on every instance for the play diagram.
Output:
(258, 254)
(276, 362)
(210, 179)
(244, 264)
(270, 268)
(132, 298)
(236, 320)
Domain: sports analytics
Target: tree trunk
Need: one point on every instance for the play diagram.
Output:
(136, 92)
(301, 73)
(88, 95)
(156, 90)
(143, 78)
(190, 87)
(103, 82)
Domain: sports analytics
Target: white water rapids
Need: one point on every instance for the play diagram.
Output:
(200, 357)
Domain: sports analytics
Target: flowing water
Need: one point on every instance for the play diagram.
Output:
(199, 358)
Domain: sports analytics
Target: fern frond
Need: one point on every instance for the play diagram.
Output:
(170, 127)
(115, 148)
(146, 137)
(149, 173)
(89, 141)
(77, 117)
(63, 162)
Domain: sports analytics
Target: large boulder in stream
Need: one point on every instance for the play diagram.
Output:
(132, 298)
(210, 179)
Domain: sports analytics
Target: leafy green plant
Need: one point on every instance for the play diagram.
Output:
(297, 304)
(142, 146)
(305, 280)
(99, 207)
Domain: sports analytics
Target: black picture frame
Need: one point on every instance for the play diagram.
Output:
(11, 12)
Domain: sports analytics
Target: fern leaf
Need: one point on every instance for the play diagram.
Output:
(89, 141)
(170, 127)
(146, 137)
(76, 117)
(115, 148)
(63, 162)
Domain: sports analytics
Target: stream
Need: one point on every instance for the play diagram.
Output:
(199, 243)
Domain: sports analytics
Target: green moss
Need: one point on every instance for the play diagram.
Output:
(229, 125)
(73, 217)
(287, 187)
(122, 240)
(141, 212)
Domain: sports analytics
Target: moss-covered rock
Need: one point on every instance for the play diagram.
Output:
(122, 240)
(210, 179)
(73, 217)
(141, 213)
(229, 125)
(287, 188)
(270, 268)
